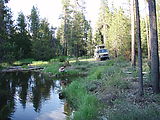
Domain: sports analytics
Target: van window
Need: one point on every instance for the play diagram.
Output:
(102, 51)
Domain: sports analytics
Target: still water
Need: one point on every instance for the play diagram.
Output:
(30, 96)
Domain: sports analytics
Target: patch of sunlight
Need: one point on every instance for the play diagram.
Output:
(90, 59)
(38, 63)
(17, 63)
(4, 64)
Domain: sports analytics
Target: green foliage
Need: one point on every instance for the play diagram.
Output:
(117, 81)
(118, 35)
(39, 63)
(7, 52)
(96, 72)
(7, 46)
(53, 68)
(85, 104)
(42, 46)
(113, 30)
(74, 33)
(22, 39)
(23, 61)
(62, 58)
(144, 37)
(88, 109)
(35, 22)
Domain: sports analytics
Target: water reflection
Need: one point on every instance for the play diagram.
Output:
(29, 96)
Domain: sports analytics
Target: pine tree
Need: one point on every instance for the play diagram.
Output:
(22, 38)
(7, 31)
(118, 34)
(42, 48)
(74, 28)
(34, 23)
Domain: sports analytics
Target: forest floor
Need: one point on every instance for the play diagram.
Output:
(105, 90)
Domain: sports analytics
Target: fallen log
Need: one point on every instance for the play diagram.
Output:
(20, 68)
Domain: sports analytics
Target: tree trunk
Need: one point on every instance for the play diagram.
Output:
(138, 37)
(133, 53)
(1, 17)
(147, 35)
(1, 27)
(148, 41)
(154, 46)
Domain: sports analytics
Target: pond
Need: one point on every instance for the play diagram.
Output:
(30, 96)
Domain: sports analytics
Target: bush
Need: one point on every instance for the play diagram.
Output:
(62, 58)
(54, 60)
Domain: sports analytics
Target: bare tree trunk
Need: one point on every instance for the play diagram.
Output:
(148, 41)
(147, 32)
(138, 37)
(65, 37)
(133, 53)
(154, 46)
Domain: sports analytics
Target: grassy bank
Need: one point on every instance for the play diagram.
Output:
(84, 93)
(110, 91)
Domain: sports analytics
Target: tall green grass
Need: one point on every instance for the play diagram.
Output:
(85, 104)
(53, 67)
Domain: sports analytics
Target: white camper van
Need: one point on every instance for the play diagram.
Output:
(101, 53)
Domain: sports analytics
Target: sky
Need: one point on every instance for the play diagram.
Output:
(51, 9)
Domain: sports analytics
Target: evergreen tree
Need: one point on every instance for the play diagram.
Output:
(6, 33)
(118, 34)
(103, 24)
(42, 48)
(66, 25)
(90, 42)
(73, 33)
(34, 23)
(22, 38)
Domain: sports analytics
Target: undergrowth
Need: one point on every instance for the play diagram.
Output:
(108, 84)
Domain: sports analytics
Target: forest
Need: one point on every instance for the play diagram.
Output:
(131, 36)
(22, 38)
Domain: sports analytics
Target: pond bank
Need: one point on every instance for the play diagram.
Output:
(107, 92)
(21, 68)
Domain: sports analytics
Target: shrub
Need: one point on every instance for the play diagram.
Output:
(62, 58)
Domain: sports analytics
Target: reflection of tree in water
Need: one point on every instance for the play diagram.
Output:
(7, 92)
(23, 87)
(41, 90)
(29, 87)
